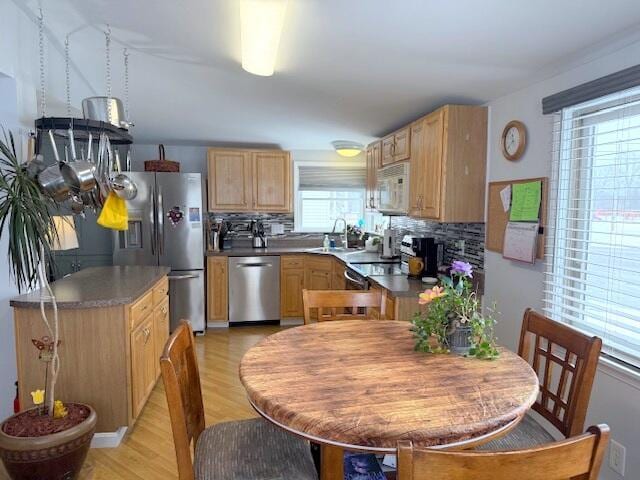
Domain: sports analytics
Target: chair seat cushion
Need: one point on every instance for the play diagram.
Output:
(252, 450)
(528, 433)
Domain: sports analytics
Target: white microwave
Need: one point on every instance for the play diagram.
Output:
(393, 189)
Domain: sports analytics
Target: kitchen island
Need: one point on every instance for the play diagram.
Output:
(114, 322)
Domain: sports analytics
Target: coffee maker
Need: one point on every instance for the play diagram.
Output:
(426, 249)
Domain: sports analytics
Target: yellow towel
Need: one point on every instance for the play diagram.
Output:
(114, 214)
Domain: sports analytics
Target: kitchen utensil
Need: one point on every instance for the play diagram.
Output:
(161, 165)
(51, 180)
(97, 108)
(121, 184)
(79, 174)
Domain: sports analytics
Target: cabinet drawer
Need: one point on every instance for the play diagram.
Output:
(141, 309)
(319, 263)
(292, 261)
(160, 291)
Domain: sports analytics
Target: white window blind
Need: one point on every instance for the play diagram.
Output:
(328, 192)
(593, 250)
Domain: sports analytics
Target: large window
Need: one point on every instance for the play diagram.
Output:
(326, 193)
(593, 274)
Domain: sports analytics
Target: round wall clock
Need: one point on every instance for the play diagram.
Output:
(514, 140)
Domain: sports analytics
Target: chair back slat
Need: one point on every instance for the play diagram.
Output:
(577, 458)
(342, 304)
(181, 380)
(565, 361)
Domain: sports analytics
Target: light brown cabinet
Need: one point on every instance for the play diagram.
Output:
(396, 146)
(249, 181)
(448, 164)
(217, 289)
(318, 273)
(143, 364)
(373, 155)
(338, 282)
(291, 285)
(161, 330)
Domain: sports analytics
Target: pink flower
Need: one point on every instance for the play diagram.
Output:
(429, 295)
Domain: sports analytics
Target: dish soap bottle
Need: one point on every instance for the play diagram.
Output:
(326, 243)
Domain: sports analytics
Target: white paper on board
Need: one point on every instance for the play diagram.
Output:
(505, 196)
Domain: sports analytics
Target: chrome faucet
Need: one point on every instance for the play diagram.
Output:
(345, 237)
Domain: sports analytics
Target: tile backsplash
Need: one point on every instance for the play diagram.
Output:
(449, 234)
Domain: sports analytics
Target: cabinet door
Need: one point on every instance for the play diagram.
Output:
(432, 165)
(373, 163)
(417, 169)
(143, 370)
(230, 181)
(402, 144)
(217, 289)
(271, 181)
(338, 282)
(291, 285)
(388, 145)
(161, 331)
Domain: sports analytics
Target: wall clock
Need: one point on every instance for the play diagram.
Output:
(514, 140)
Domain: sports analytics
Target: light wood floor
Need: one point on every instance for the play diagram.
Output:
(147, 451)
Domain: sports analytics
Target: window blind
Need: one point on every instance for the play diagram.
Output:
(331, 178)
(592, 278)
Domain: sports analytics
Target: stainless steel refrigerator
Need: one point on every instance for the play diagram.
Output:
(166, 227)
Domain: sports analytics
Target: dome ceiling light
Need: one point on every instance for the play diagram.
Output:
(345, 148)
(261, 27)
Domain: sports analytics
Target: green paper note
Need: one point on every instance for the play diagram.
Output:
(525, 201)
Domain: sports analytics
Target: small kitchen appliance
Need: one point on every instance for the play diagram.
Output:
(424, 248)
(389, 244)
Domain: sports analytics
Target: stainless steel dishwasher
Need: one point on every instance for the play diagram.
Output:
(254, 289)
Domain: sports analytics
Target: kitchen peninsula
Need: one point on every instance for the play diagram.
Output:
(114, 322)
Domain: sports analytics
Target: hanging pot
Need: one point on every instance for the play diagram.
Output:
(78, 173)
(51, 180)
(121, 184)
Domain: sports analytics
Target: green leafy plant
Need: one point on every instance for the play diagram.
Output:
(451, 306)
(26, 212)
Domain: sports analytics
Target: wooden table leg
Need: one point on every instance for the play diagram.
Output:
(331, 463)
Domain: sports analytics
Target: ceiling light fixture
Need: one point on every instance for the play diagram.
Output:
(261, 26)
(345, 148)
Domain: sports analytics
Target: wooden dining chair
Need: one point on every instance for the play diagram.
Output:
(565, 361)
(247, 449)
(342, 304)
(576, 458)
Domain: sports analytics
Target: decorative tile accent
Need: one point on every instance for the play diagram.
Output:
(449, 234)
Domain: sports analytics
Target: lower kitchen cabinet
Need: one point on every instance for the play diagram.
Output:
(217, 289)
(291, 285)
(161, 327)
(143, 363)
(318, 273)
(338, 282)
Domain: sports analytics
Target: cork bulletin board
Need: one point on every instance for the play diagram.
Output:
(497, 218)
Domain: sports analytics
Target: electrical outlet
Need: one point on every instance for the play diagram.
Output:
(617, 454)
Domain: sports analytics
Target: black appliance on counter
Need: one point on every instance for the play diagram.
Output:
(427, 249)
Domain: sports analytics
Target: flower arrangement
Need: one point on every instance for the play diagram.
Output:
(454, 312)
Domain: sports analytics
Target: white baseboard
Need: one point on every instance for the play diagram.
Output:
(217, 324)
(108, 439)
(291, 322)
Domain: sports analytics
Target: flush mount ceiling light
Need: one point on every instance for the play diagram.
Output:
(346, 148)
(261, 26)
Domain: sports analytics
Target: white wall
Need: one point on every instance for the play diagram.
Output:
(615, 401)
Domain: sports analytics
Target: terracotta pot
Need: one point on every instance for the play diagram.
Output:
(58, 456)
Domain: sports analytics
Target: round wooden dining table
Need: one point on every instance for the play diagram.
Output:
(359, 385)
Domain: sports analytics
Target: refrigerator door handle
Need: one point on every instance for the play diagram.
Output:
(160, 222)
(152, 221)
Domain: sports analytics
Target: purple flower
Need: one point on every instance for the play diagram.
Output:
(461, 268)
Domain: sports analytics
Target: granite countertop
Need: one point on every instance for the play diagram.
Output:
(98, 287)
(349, 256)
(400, 285)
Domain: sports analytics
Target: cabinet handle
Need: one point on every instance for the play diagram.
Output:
(163, 310)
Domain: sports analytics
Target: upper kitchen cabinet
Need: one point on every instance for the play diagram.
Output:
(374, 151)
(396, 146)
(448, 165)
(249, 181)
(272, 181)
(230, 181)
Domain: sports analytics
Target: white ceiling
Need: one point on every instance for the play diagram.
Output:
(347, 69)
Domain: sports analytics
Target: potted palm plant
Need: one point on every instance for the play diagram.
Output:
(50, 440)
(453, 317)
